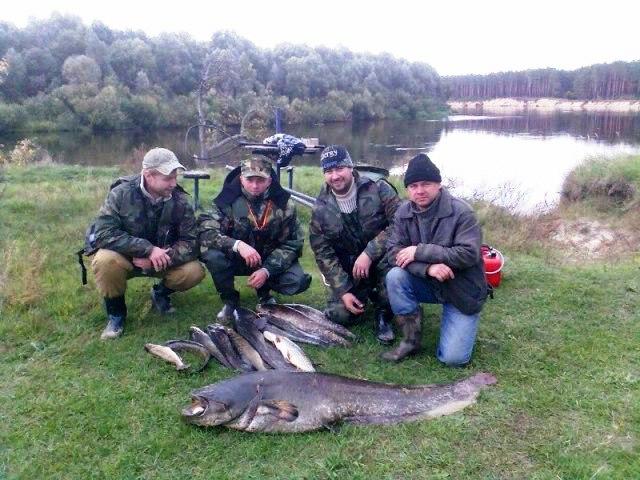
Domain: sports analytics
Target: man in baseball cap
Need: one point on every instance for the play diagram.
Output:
(146, 227)
(162, 160)
(252, 230)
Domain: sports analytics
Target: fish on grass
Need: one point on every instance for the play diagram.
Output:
(282, 401)
(290, 351)
(290, 319)
(166, 354)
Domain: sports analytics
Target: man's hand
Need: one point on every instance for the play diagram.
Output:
(142, 263)
(440, 272)
(257, 278)
(249, 254)
(405, 256)
(159, 259)
(352, 303)
(362, 266)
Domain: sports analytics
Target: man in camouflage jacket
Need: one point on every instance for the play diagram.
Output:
(146, 226)
(252, 229)
(348, 233)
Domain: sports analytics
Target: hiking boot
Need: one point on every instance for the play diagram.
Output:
(411, 326)
(116, 313)
(225, 315)
(114, 327)
(160, 299)
(384, 332)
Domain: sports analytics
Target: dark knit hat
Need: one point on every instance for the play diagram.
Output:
(421, 169)
(335, 156)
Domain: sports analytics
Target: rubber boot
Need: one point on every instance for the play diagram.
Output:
(116, 313)
(384, 332)
(160, 299)
(411, 326)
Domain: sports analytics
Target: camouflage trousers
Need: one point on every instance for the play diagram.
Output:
(372, 288)
(225, 268)
(112, 270)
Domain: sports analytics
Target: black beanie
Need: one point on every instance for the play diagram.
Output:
(421, 169)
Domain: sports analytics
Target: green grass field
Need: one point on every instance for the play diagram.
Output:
(563, 340)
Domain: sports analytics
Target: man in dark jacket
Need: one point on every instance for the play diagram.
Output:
(348, 235)
(252, 229)
(435, 245)
(145, 227)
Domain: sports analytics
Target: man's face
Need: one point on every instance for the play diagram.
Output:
(255, 185)
(423, 193)
(339, 179)
(160, 185)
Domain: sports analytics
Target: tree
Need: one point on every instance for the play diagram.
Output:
(80, 69)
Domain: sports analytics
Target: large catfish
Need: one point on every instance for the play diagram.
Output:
(282, 401)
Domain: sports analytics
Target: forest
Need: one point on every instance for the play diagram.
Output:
(59, 74)
(617, 80)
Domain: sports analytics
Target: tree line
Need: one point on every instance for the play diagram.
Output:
(61, 74)
(608, 81)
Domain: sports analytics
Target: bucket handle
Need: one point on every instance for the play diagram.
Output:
(501, 261)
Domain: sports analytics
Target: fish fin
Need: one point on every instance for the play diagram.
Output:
(243, 422)
(281, 409)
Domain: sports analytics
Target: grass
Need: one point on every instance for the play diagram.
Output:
(562, 340)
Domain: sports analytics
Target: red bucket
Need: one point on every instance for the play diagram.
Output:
(493, 263)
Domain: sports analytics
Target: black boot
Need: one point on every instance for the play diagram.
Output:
(116, 313)
(384, 332)
(411, 326)
(265, 297)
(160, 299)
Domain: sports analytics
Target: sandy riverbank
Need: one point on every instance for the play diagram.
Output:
(502, 105)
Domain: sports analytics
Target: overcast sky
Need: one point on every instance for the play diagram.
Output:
(454, 37)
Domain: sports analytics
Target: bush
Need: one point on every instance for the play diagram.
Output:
(12, 117)
(617, 180)
(25, 152)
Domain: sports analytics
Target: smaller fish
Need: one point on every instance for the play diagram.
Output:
(191, 347)
(294, 335)
(319, 317)
(292, 352)
(197, 335)
(246, 324)
(219, 336)
(246, 351)
(165, 353)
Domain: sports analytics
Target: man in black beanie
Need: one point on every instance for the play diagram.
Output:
(348, 233)
(435, 247)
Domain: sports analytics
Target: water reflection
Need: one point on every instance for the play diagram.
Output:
(517, 157)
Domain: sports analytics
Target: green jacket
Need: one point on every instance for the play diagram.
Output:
(279, 243)
(335, 253)
(128, 223)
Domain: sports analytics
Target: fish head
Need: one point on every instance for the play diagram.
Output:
(207, 412)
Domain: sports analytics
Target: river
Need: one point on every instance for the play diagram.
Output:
(519, 161)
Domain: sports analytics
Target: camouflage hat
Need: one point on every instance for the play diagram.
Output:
(162, 160)
(255, 167)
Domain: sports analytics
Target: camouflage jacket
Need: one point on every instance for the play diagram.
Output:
(128, 223)
(279, 242)
(376, 205)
